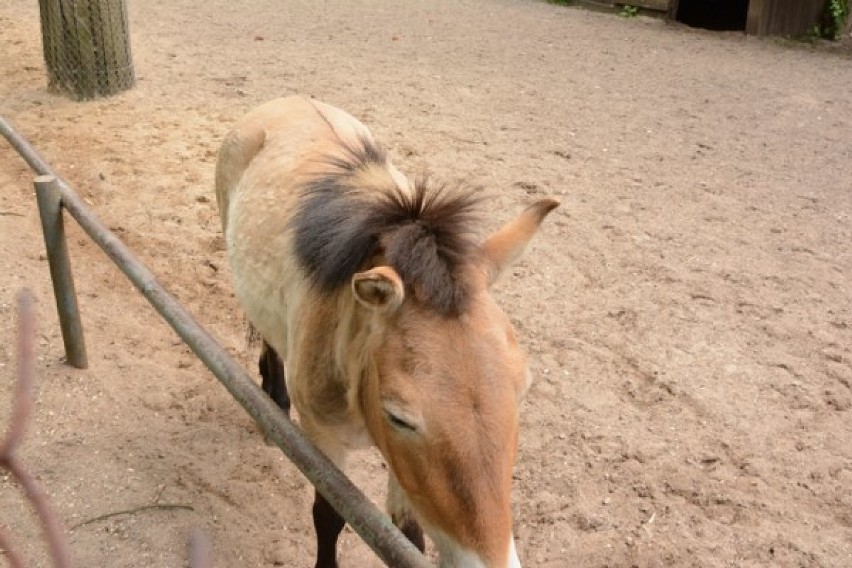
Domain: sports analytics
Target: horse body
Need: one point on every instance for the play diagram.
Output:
(263, 167)
(374, 293)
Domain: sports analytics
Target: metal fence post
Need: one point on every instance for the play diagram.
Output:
(50, 211)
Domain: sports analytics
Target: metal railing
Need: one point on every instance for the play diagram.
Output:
(374, 527)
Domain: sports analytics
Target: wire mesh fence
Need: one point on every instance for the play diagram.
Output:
(86, 47)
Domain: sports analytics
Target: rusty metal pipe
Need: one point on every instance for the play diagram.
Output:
(373, 526)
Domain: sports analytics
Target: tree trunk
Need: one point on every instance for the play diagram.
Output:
(86, 47)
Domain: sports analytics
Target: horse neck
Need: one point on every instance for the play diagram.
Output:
(354, 345)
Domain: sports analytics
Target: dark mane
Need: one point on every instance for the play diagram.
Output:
(426, 237)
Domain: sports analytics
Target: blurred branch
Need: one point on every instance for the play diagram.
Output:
(22, 401)
(9, 551)
(200, 547)
(200, 550)
(21, 408)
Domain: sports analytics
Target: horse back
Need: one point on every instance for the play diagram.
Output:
(264, 165)
(275, 143)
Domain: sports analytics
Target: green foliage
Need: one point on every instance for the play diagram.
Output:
(561, 2)
(839, 10)
(834, 19)
(814, 34)
(628, 11)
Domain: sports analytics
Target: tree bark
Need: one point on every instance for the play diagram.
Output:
(86, 47)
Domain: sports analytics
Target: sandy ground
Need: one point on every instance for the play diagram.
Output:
(687, 310)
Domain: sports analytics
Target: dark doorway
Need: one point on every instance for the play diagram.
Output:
(713, 14)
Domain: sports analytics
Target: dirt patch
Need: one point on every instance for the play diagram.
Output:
(687, 309)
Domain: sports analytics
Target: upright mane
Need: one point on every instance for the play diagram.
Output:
(356, 212)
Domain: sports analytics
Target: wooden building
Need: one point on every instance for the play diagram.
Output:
(757, 17)
(762, 17)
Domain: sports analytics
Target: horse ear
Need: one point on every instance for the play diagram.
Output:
(379, 289)
(506, 246)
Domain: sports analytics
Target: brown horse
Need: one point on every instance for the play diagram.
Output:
(375, 294)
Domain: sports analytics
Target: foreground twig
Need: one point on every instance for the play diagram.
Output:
(21, 408)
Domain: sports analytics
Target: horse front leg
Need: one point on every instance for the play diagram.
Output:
(274, 377)
(328, 524)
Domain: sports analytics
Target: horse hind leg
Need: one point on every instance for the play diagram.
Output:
(401, 514)
(274, 377)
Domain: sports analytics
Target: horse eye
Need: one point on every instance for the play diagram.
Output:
(399, 423)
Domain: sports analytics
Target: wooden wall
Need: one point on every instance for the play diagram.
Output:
(783, 17)
(765, 17)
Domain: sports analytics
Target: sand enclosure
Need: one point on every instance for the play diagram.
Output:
(687, 310)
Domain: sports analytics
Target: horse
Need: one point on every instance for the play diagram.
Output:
(370, 292)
